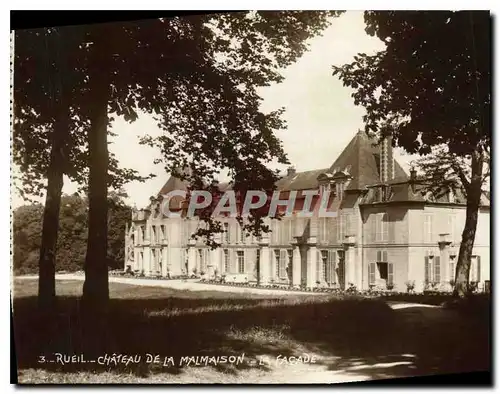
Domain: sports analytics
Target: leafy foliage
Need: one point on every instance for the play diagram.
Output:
(430, 88)
(432, 81)
(72, 240)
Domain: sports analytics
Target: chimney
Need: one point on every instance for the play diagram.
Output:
(386, 159)
(290, 171)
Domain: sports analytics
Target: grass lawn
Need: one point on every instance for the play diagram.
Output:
(338, 339)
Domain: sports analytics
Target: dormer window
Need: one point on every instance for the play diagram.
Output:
(324, 188)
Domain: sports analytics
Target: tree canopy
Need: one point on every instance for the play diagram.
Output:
(430, 88)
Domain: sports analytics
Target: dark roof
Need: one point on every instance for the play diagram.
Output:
(359, 159)
(300, 180)
(362, 157)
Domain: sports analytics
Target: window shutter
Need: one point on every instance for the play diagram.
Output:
(390, 273)
(371, 273)
(437, 269)
(384, 256)
(479, 268)
(452, 270)
(426, 272)
(319, 266)
(379, 256)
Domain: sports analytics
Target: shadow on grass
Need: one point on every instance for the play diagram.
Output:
(353, 335)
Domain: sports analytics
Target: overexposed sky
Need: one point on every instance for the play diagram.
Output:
(319, 111)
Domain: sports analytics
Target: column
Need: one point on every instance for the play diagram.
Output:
(296, 264)
(264, 263)
(191, 264)
(164, 261)
(312, 261)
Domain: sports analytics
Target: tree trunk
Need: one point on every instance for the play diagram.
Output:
(469, 234)
(95, 289)
(50, 226)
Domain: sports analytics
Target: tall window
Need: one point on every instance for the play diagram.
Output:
(241, 234)
(153, 260)
(328, 265)
(225, 235)
(452, 267)
(226, 260)
(475, 269)
(202, 259)
(427, 228)
(382, 227)
(281, 260)
(432, 273)
(240, 256)
(381, 269)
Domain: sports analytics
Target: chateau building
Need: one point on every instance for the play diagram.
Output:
(388, 232)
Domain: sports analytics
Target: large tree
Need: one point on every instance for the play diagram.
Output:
(431, 85)
(49, 137)
(199, 75)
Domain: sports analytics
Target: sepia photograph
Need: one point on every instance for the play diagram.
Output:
(251, 197)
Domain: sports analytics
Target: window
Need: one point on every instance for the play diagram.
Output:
(381, 270)
(225, 235)
(226, 260)
(319, 266)
(371, 274)
(427, 228)
(475, 269)
(452, 267)
(240, 255)
(242, 234)
(153, 260)
(432, 268)
(202, 259)
(281, 258)
(328, 265)
(382, 227)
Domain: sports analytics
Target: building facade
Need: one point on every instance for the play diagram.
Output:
(389, 232)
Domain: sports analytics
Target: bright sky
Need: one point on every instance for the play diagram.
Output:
(320, 112)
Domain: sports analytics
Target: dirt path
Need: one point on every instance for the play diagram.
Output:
(179, 284)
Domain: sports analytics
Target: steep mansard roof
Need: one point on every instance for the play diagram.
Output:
(359, 159)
